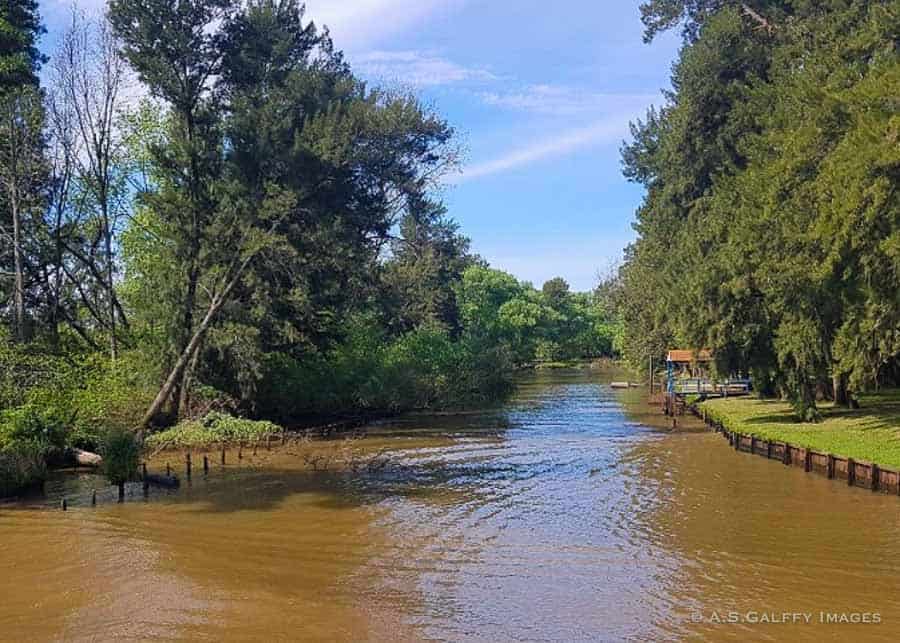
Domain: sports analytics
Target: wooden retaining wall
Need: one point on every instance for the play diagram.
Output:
(855, 473)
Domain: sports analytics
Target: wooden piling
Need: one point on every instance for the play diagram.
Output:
(241, 450)
(223, 456)
(94, 498)
(168, 470)
(145, 479)
(874, 474)
(64, 505)
(769, 449)
(205, 465)
(807, 460)
(187, 465)
(121, 492)
(829, 468)
(786, 454)
(851, 472)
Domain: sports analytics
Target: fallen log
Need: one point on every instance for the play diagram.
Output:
(86, 458)
(161, 480)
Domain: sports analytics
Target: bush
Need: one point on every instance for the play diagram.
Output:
(33, 429)
(423, 369)
(121, 453)
(28, 436)
(20, 467)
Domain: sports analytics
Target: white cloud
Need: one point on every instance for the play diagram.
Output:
(608, 130)
(564, 101)
(417, 68)
(357, 25)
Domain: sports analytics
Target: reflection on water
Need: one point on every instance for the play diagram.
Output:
(554, 518)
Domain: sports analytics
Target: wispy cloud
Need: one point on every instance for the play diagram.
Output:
(608, 130)
(360, 24)
(558, 100)
(417, 68)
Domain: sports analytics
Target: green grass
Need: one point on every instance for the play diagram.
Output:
(870, 433)
(216, 429)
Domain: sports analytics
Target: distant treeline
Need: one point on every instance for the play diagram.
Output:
(770, 231)
(259, 232)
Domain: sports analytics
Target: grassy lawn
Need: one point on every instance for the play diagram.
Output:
(870, 433)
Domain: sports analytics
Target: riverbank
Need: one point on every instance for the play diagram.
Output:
(870, 433)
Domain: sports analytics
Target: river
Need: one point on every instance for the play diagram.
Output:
(560, 516)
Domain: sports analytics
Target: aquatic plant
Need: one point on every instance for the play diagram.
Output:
(121, 453)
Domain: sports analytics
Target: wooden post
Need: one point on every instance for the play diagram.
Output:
(737, 441)
(807, 460)
(753, 444)
(651, 376)
(255, 447)
(786, 454)
(187, 463)
(144, 478)
(851, 472)
(64, 505)
(94, 498)
(241, 450)
(769, 449)
(223, 455)
(874, 475)
(829, 468)
(168, 470)
(205, 464)
(121, 492)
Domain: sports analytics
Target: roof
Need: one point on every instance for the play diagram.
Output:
(689, 356)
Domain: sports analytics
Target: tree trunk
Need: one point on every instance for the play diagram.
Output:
(110, 292)
(839, 383)
(175, 375)
(184, 393)
(19, 304)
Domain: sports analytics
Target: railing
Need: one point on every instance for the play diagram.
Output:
(703, 386)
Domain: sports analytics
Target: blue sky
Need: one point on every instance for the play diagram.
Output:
(541, 94)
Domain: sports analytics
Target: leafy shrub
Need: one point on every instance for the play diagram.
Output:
(121, 456)
(32, 429)
(28, 435)
(424, 369)
(20, 468)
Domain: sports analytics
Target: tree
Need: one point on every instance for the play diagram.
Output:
(89, 78)
(175, 48)
(23, 171)
(427, 262)
(20, 60)
(755, 238)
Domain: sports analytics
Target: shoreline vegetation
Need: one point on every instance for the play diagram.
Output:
(769, 231)
(259, 240)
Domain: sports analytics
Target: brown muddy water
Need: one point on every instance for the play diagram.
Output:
(557, 517)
